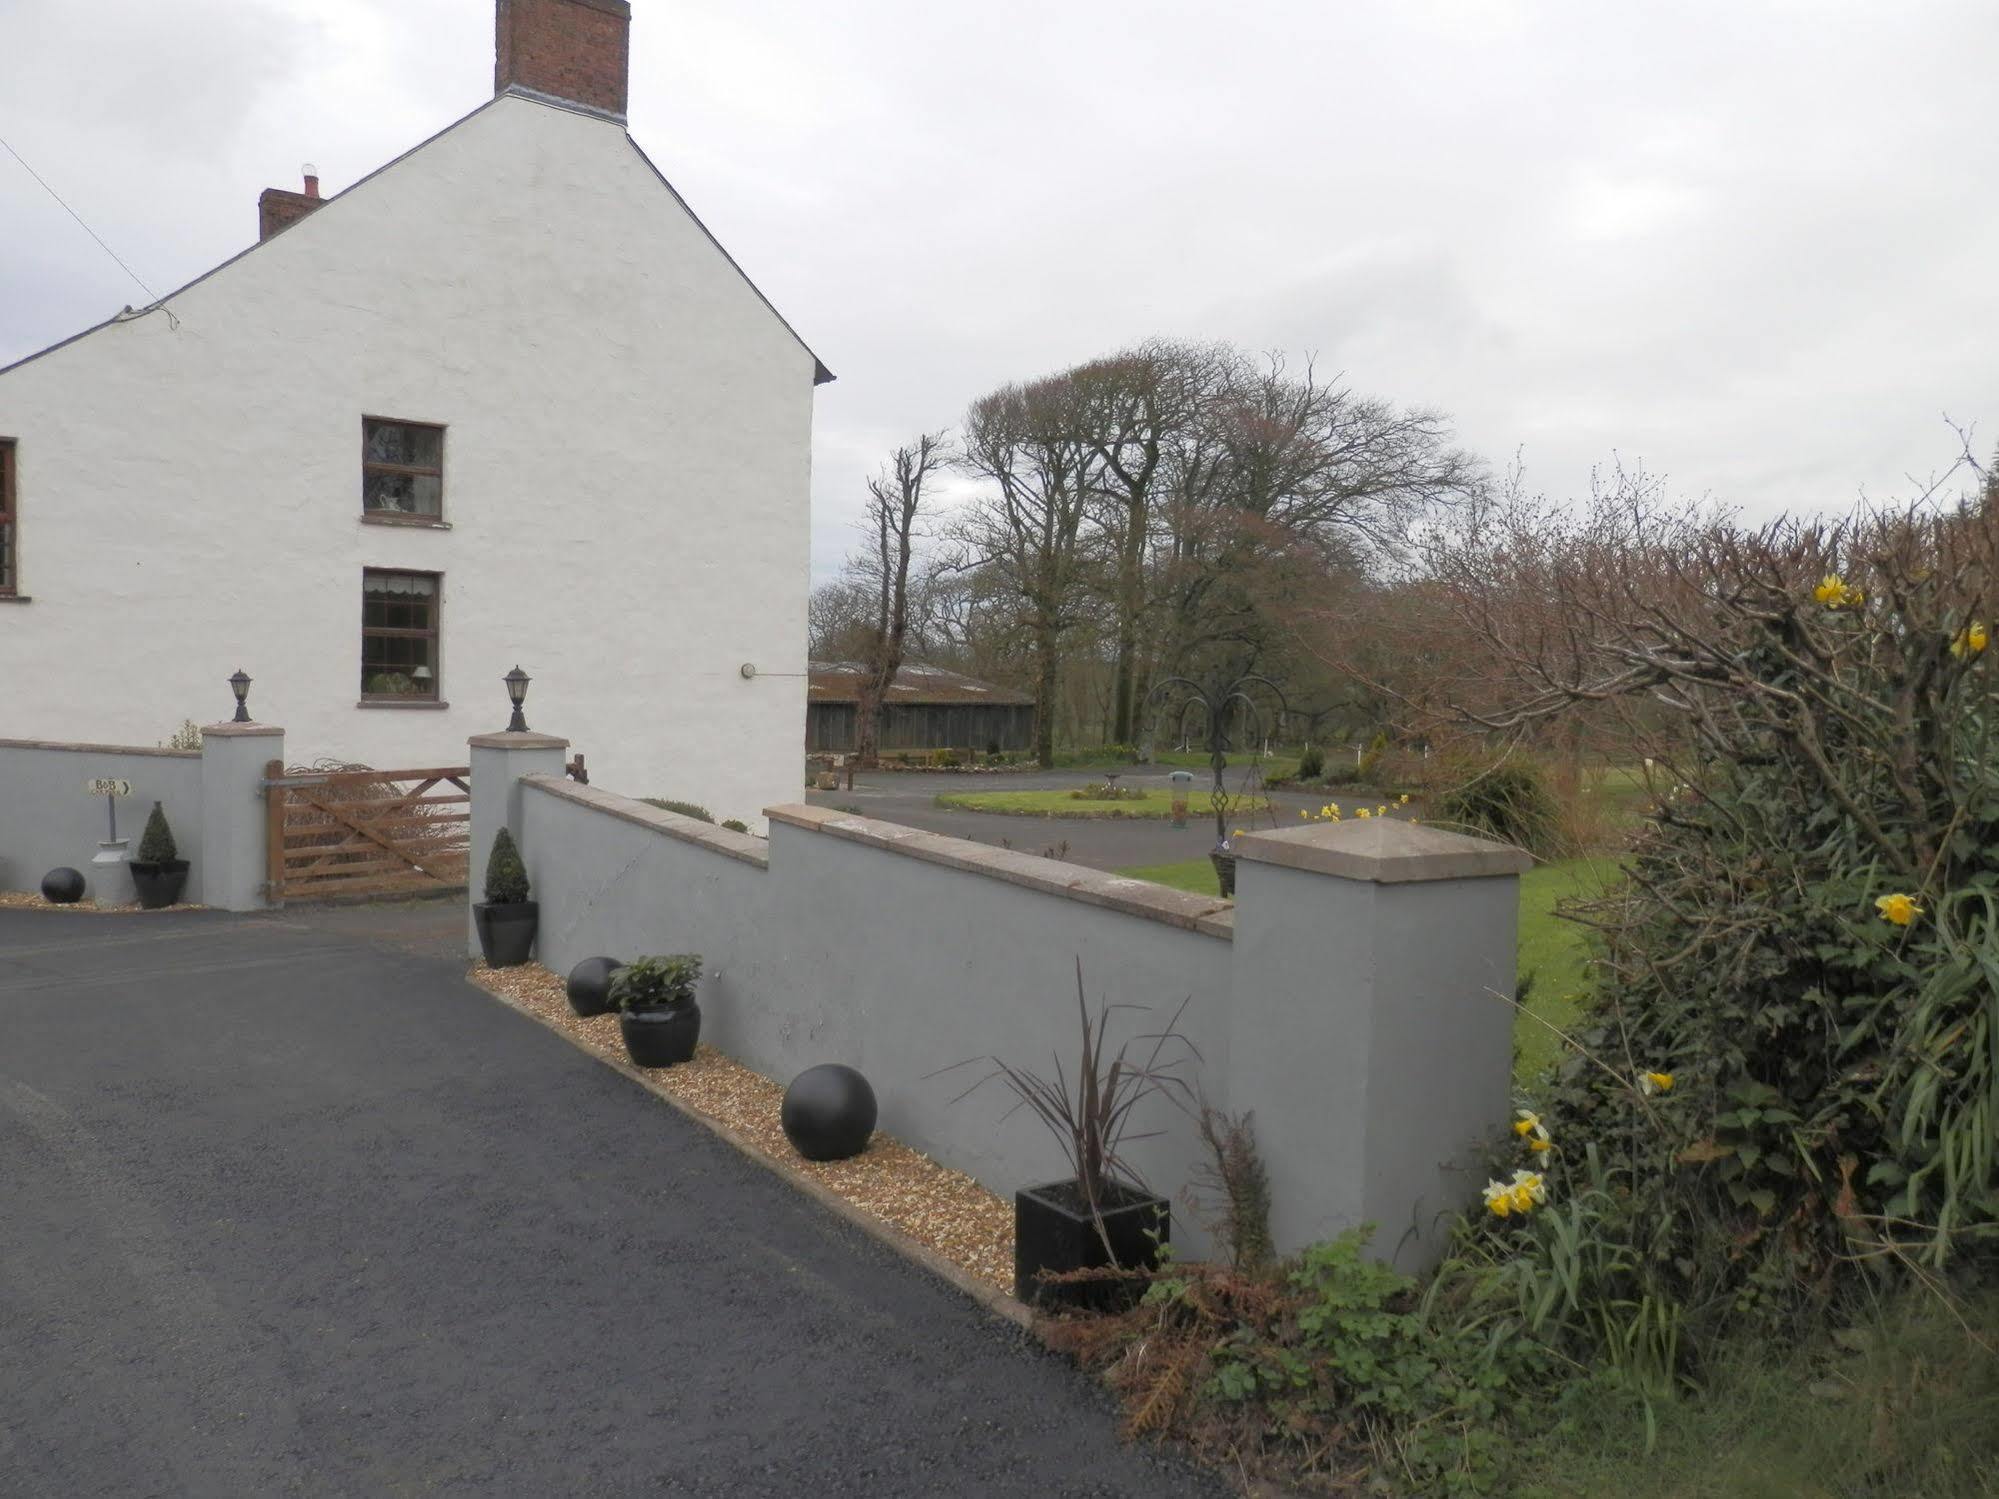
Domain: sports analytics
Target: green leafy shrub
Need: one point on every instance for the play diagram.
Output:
(156, 844)
(186, 737)
(686, 809)
(1317, 1372)
(1786, 1089)
(735, 825)
(506, 875)
(656, 982)
(1507, 800)
(950, 759)
(1311, 763)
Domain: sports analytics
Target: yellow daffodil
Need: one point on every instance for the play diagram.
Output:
(1527, 1191)
(1238, 832)
(1381, 811)
(1655, 1082)
(1970, 640)
(1523, 1194)
(1533, 1133)
(1403, 800)
(1362, 813)
(1307, 816)
(1899, 909)
(1836, 593)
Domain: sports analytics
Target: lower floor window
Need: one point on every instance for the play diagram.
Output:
(399, 618)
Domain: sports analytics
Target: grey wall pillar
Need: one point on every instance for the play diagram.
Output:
(1370, 1023)
(498, 763)
(234, 849)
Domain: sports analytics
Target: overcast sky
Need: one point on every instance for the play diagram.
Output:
(1753, 245)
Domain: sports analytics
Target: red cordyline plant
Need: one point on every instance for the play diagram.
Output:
(1091, 1113)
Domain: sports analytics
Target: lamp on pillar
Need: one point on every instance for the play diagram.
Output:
(240, 685)
(517, 690)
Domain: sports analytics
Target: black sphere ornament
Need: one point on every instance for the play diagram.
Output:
(829, 1112)
(62, 887)
(590, 985)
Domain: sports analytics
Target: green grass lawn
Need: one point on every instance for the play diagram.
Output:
(1272, 766)
(1551, 949)
(1063, 804)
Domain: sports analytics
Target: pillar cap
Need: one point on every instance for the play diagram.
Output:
(239, 730)
(1385, 850)
(528, 741)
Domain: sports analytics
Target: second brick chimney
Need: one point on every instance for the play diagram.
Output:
(278, 208)
(573, 51)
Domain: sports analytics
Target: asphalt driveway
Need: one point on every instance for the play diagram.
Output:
(287, 1209)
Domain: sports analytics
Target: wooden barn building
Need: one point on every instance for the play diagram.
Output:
(927, 708)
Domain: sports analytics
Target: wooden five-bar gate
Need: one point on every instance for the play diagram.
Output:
(337, 834)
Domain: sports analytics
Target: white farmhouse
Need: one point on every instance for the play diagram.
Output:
(503, 401)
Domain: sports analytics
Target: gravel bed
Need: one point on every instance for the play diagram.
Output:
(944, 1210)
(28, 900)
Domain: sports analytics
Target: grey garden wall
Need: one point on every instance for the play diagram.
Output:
(212, 797)
(47, 819)
(1355, 999)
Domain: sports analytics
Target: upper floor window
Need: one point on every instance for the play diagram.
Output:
(10, 522)
(402, 470)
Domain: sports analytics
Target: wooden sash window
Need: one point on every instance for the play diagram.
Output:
(399, 631)
(402, 471)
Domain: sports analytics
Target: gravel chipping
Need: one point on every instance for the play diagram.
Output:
(944, 1210)
(28, 900)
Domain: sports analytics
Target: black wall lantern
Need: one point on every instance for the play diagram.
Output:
(517, 689)
(240, 685)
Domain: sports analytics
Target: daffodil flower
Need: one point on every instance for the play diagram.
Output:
(1898, 909)
(1972, 639)
(1531, 1130)
(1836, 593)
(1498, 1197)
(1650, 1083)
(1362, 812)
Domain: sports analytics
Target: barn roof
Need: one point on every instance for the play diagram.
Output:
(840, 682)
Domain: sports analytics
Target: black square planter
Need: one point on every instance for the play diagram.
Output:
(1053, 1231)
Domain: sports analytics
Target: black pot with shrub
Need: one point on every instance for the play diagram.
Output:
(657, 1014)
(159, 874)
(506, 919)
(1073, 1237)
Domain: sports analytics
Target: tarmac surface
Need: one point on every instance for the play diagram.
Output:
(288, 1207)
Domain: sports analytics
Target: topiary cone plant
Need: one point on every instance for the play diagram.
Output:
(506, 919)
(159, 874)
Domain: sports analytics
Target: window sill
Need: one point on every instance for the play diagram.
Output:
(416, 522)
(17, 598)
(390, 702)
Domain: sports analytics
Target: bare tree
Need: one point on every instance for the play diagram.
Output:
(1134, 405)
(1029, 443)
(895, 501)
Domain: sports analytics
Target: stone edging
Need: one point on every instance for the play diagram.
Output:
(1211, 917)
(720, 840)
(889, 1237)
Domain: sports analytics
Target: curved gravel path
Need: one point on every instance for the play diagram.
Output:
(288, 1210)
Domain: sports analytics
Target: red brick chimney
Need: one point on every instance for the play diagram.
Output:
(573, 51)
(278, 208)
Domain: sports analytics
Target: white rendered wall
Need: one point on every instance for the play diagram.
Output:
(626, 478)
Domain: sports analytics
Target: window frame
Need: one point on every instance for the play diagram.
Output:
(435, 635)
(414, 470)
(10, 517)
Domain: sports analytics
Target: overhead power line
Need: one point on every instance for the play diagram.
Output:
(150, 293)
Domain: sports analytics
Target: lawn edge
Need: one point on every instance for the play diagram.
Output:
(988, 1297)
